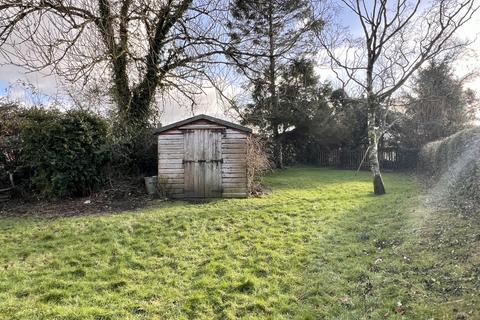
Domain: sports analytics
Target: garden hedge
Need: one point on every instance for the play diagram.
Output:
(452, 170)
(66, 150)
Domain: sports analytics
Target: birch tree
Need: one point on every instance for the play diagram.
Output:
(396, 38)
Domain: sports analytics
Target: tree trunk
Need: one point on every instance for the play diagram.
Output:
(277, 149)
(372, 128)
(378, 187)
(277, 144)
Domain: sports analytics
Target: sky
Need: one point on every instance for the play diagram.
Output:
(13, 79)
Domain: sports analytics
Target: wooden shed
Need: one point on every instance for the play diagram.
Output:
(203, 157)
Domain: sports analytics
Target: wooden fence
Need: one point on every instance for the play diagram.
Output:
(390, 159)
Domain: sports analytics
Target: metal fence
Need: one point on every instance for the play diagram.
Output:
(390, 159)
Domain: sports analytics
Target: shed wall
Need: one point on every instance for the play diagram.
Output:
(234, 169)
(171, 155)
(170, 162)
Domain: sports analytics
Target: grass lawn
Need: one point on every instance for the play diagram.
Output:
(319, 246)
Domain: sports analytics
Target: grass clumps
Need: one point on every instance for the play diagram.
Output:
(452, 170)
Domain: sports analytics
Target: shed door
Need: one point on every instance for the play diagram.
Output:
(203, 163)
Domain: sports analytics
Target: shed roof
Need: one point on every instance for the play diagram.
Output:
(203, 117)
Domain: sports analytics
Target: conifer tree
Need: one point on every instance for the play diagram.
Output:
(266, 34)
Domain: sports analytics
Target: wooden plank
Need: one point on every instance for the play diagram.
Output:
(175, 187)
(227, 146)
(235, 151)
(171, 177)
(201, 127)
(171, 141)
(231, 130)
(234, 166)
(170, 160)
(234, 172)
(162, 165)
(174, 156)
(175, 192)
(239, 174)
(178, 144)
(171, 155)
(234, 160)
(176, 151)
(234, 139)
(170, 137)
(189, 166)
(171, 171)
(171, 144)
(235, 195)
(228, 164)
(213, 186)
(242, 172)
(234, 146)
(234, 185)
(176, 180)
(235, 156)
(235, 136)
(242, 188)
(171, 131)
(167, 143)
(234, 180)
(200, 166)
(172, 186)
(178, 136)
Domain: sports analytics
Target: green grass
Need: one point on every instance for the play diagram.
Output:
(319, 246)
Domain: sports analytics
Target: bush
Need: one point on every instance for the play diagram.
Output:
(134, 153)
(67, 151)
(452, 169)
(13, 169)
(257, 163)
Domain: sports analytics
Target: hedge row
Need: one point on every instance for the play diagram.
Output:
(67, 151)
(53, 154)
(452, 170)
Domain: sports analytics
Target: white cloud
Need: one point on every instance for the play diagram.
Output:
(209, 102)
(470, 62)
(11, 75)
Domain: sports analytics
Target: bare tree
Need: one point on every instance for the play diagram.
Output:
(397, 37)
(136, 46)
